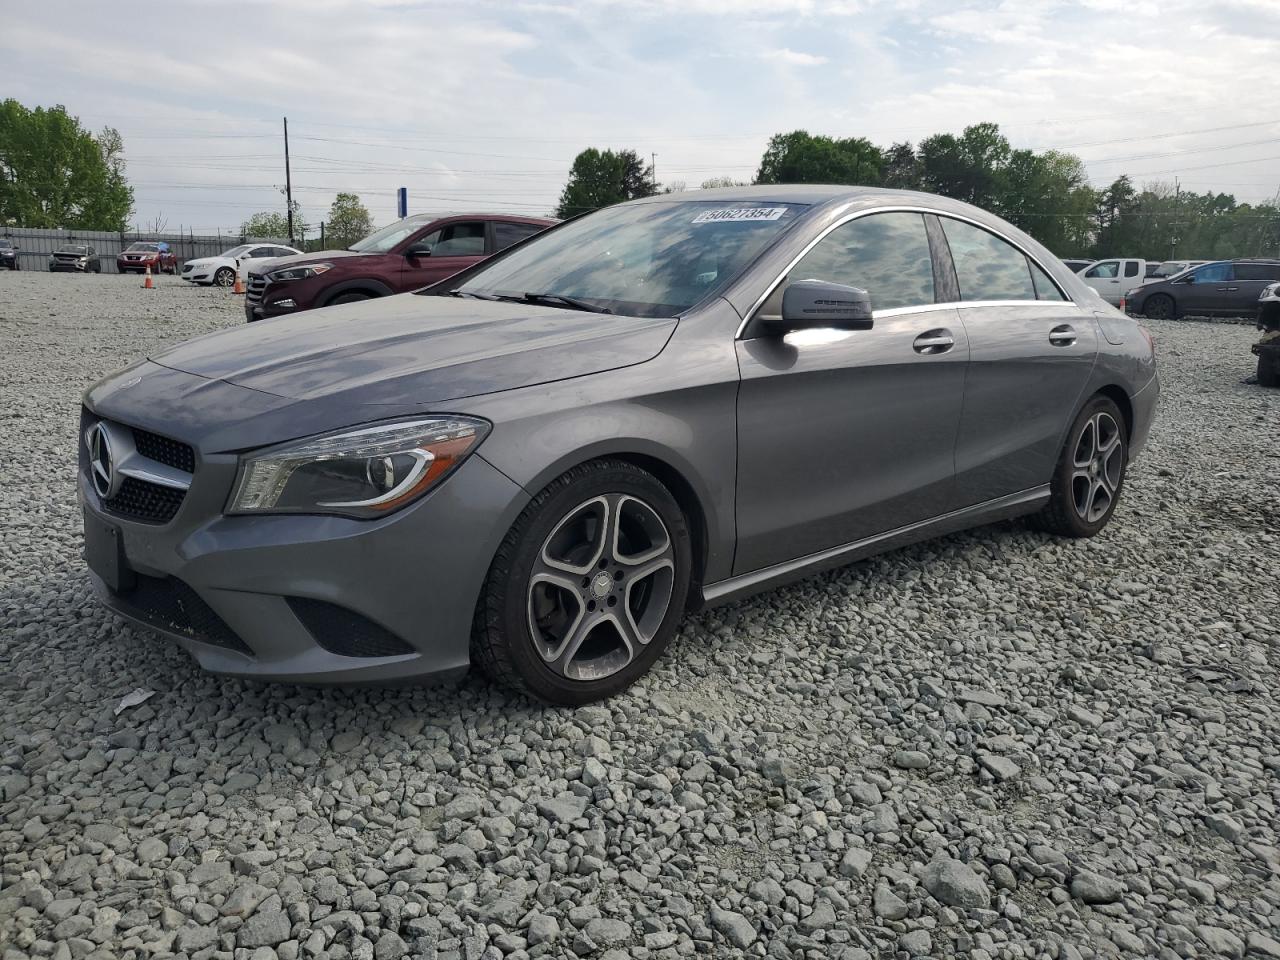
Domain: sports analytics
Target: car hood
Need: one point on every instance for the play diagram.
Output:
(324, 256)
(418, 349)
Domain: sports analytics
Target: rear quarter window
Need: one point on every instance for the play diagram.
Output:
(987, 267)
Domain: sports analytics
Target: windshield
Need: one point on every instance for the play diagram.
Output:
(1169, 268)
(644, 260)
(143, 248)
(381, 241)
(238, 251)
(72, 248)
(6, 244)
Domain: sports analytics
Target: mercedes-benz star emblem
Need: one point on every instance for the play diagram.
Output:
(101, 468)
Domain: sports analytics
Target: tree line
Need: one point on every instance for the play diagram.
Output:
(1045, 193)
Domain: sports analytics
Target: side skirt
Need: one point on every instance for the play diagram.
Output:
(1003, 508)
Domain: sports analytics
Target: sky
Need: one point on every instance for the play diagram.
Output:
(480, 105)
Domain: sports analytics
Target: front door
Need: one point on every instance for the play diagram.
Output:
(1031, 351)
(454, 247)
(1206, 290)
(1104, 276)
(846, 434)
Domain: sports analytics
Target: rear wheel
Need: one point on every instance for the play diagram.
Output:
(224, 277)
(1269, 368)
(587, 588)
(1089, 477)
(347, 298)
(1160, 306)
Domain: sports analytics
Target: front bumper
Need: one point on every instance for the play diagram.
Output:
(137, 266)
(296, 598)
(60, 267)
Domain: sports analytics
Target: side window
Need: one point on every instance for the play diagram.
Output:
(886, 254)
(460, 240)
(430, 240)
(987, 267)
(1213, 273)
(1257, 271)
(1104, 271)
(1046, 289)
(1131, 268)
(505, 234)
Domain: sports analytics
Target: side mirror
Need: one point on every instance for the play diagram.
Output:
(818, 304)
(419, 250)
(1189, 279)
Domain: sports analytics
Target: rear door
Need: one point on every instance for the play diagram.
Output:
(1031, 351)
(1250, 280)
(846, 434)
(1132, 275)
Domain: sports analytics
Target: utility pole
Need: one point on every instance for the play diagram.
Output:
(1177, 212)
(288, 181)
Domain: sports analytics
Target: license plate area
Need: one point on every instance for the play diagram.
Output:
(104, 553)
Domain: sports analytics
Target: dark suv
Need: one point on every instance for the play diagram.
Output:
(9, 254)
(1228, 288)
(411, 253)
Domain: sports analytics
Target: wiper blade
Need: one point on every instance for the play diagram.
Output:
(473, 296)
(572, 302)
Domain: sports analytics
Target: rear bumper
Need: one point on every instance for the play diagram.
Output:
(240, 594)
(1144, 414)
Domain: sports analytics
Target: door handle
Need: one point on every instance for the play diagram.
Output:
(1117, 280)
(1062, 336)
(934, 341)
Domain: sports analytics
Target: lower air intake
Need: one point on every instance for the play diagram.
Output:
(346, 632)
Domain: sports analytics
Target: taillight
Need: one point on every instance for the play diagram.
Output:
(1151, 341)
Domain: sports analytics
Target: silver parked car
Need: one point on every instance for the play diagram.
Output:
(541, 463)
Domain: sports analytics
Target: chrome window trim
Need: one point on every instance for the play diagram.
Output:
(970, 304)
(858, 214)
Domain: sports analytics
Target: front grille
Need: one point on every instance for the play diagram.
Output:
(346, 632)
(256, 286)
(145, 501)
(169, 604)
(172, 453)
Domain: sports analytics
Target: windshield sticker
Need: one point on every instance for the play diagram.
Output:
(739, 214)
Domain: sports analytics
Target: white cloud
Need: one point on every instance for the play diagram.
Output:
(793, 58)
(484, 103)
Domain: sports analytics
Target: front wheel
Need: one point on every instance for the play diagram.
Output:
(1089, 477)
(588, 586)
(347, 298)
(224, 277)
(1160, 306)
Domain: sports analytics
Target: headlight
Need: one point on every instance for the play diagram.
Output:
(300, 273)
(363, 472)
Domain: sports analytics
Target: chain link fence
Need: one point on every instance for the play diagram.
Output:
(34, 246)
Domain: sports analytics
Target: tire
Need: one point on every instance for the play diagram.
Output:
(348, 298)
(1160, 306)
(1089, 478)
(224, 277)
(564, 613)
(1269, 370)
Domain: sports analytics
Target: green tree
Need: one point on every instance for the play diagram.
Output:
(56, 175)
(1115, 215)
(348, 221)
(902, 169)
(968, 167)
(714, 182)
(599, 178)
(266, 224)
(800, 157)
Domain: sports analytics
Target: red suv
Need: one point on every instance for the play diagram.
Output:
(411, 253)
(136, 257)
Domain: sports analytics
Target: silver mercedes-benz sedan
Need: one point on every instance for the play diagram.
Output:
(541, 463)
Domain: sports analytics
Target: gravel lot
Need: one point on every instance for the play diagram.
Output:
(994, 745)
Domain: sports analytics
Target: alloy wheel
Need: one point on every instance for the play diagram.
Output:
(600, 586)
(224, 277)
(1098, 463)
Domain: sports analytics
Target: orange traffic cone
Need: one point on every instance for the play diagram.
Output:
(237, 287)
(148, 285)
